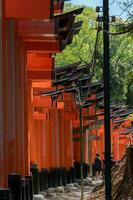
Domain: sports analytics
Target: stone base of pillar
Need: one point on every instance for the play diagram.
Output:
(77, 169)
(59, 177)
(69, 176)
(31, 189)
(35, 173)
(14, 184)
(86, 169)
(54, 173)
(49, 179)
(73, 174)
(23, 185)
(64, 176)
(77, 166)
(5, 194)
(56, 177)
(43, 179)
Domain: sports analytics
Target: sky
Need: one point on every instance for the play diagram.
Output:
(114, 8)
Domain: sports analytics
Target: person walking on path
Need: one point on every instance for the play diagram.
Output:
(98, 166)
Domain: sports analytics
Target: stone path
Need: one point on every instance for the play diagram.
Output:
(69, 192)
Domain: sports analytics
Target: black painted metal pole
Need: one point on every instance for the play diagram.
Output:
(81, 141)
(81, 151)
(106, 68)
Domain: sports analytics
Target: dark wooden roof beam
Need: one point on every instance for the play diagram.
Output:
(69, 14)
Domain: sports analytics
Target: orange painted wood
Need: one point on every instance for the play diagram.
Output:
(94, 146)
(68, 143)
(127, 123)
(37, 75)
(86, 147)
(62, 138)
(53, 158)
(60, 105)
(70, 115)
(91, 111)
(21, 126)
(35, 61)
(77, 149)
(116, 146)
(60, 98)
(9, 107)
(85, 111)
(68, 106)
(76, 144)
(25, 140)
(40, 101)
(37, 142)
(40, 143)
(43, 144)
(101, 131)
(42, 84)
(29, 9)
(53, 138)
(99, 148)
(93, 96)
(67, 96)
(3, 105)
(57, 139)
(29, 27)
(48, 145)
(100, 117)
(45, 47)
(32, 138)
(45, 38)
(122, 150)
(76, 123)
(94, 150)
(40, 116)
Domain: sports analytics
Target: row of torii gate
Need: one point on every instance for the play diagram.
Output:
(39, 132)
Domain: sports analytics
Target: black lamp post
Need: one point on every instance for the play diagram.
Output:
(106, 72)
(81, 140)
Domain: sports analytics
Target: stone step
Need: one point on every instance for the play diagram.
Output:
(38, 197)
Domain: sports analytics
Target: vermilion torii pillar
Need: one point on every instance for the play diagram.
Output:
(3, 135)
(14, 111)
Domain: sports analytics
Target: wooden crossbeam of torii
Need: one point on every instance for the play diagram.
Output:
(29, 9)
(49, 36)
(36, 28)
(45, 47)
(39, 67)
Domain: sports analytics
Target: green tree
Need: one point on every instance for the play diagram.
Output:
(121, 65)
(82, 49)
(82, 46)
(130, 90)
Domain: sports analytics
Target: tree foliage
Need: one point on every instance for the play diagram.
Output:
(82, 46)
(121, 65)
(121, 58)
